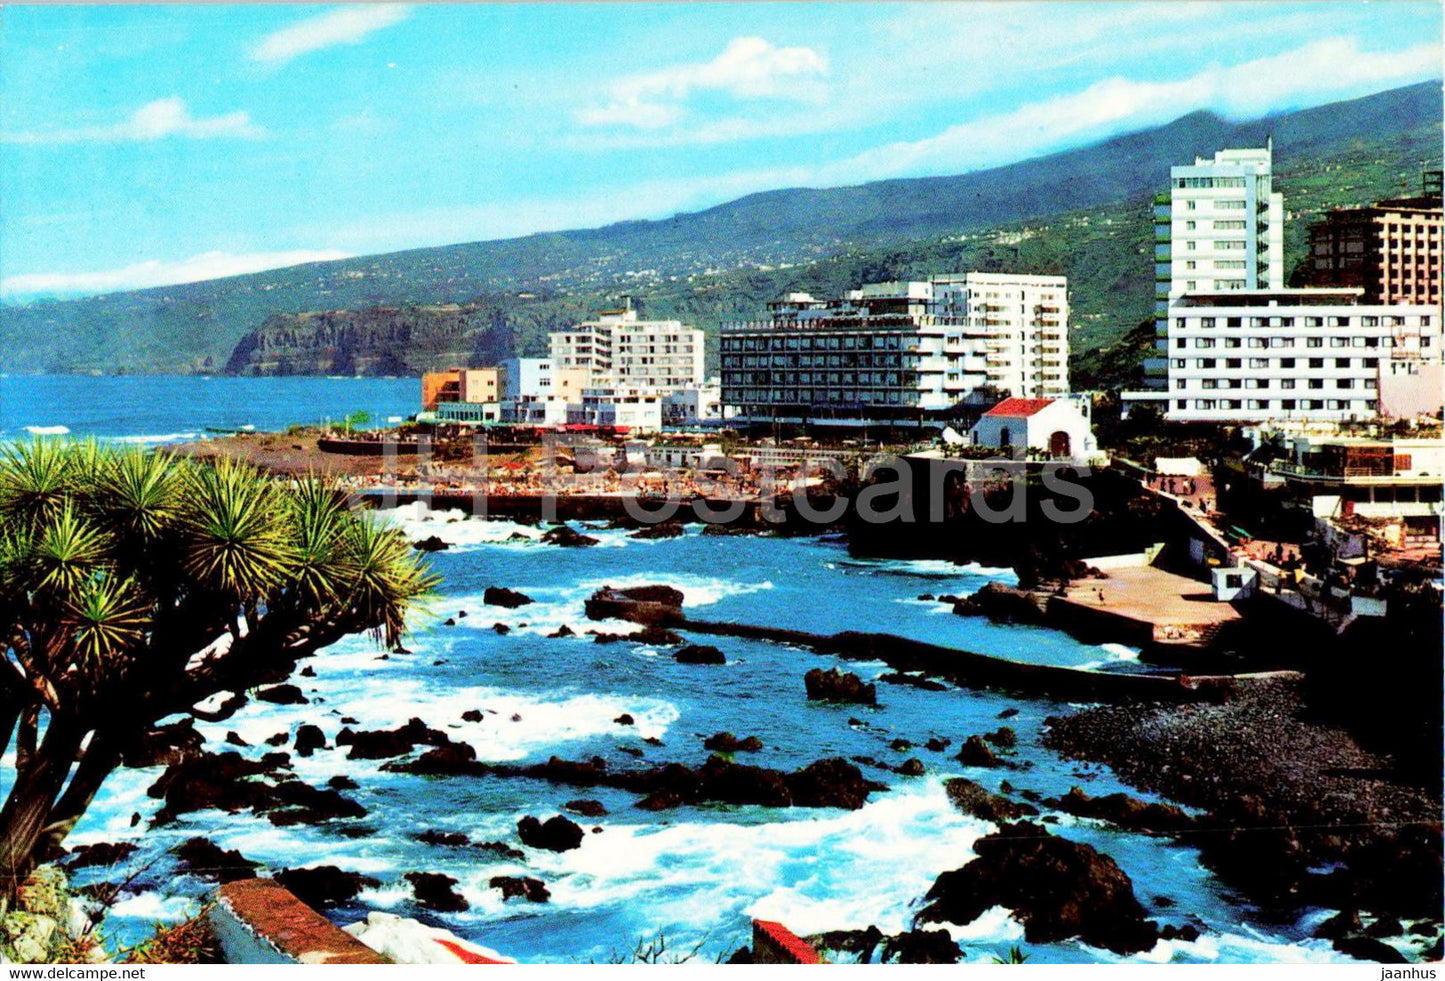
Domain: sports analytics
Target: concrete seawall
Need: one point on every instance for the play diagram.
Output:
(971, 669)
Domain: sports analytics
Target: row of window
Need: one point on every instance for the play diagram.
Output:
(733, 361)
(808, 396)
(832, 342)
(1364, 321)
(1230, 343)
(1286, 405)
(1281, 363)
(1284, 384)
(1198, 182)
(875, 378)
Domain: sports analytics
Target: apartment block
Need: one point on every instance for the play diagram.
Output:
(620, 351)
(1392, 249)
(896, 350)
(1303, 354)
(1219, 227)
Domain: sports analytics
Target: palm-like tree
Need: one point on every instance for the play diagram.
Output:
(134, 585)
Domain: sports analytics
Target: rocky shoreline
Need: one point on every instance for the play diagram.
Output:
(1298, 813)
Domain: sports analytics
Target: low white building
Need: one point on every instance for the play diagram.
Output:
(1301, 354)
(610, 409)
(689, 406)
(1058, 428)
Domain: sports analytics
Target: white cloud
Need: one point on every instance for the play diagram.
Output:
(152, 121)
(1310, 75)
(748, 68)
(207, 265)
(346, 25)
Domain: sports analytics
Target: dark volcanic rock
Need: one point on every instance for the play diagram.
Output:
(974, 752)
(1343, 924)
(937, 745)
(1369, 949)
(646, 605)
(451, 760)
(101, 853)
(913, 681)
(556, 834)
(666, 595)
(472, 715)
(513, 886)
(586, 808)
(973, 799)
(699, 654)
(282, 695)
(325, 885)
(562, 631)
(166, 745)
(430, 544)
(922, 947)
(567, 538)
(664, 529)
(449, 839)
(309, 739)
(381, 744)
(342, 782)
(837, 686)
(831, 783)
(501, 629)
(1004, 737)
(501, 596)
(1125, 811)
(1057, 888)
(625, 719)
(203, 857)
(501, 849)
(911, 767)
(435, 891)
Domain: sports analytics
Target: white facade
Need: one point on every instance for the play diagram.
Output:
(609, 408)
(1057, 428)
(623, 352)
(888, 350)
(1303, 354)
(1220, 227)
(688, 406)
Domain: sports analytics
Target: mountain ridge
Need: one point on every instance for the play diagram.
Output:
(196, 326)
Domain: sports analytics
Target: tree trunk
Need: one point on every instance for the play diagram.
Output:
(100, 760)
(28, 807)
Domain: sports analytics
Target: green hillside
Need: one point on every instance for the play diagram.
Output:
(1083, 213)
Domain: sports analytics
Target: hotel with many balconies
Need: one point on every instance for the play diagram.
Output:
(899, 351)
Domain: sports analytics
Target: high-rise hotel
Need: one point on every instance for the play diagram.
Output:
(899, 351)
(1234, 345)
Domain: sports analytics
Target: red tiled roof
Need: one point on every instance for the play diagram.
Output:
(793, 947)
(1019, 408)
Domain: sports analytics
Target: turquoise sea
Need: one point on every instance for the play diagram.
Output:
(697, 874)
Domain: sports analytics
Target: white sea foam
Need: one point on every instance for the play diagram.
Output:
(47, 430)
(1114, 654)
(456, 527)
(157, 440)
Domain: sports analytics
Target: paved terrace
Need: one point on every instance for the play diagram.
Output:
(1176, 609)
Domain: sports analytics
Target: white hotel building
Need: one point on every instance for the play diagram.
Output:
(630, 355)
(1234, 345)
(896, 351)
(1303, 354)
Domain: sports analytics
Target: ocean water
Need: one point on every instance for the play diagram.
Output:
(696, 874)
(168, 409)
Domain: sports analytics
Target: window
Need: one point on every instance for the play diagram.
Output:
(1205, 321)
(1286, 362)
(1342, 362)
(1233, 363)
(1317, 362)
(1286, 383)
(1206, 362)
(1314, 342)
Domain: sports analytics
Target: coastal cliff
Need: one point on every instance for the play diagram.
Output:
(375, 341)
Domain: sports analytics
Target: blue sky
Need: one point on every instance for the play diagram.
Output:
(149, 145)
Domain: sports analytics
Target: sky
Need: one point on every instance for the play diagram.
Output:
(143, 146)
